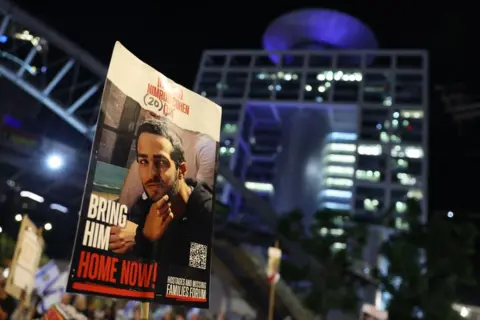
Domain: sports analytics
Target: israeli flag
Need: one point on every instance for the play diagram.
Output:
(45, 276)
(49, 301)
(53, 293)
(59, 284)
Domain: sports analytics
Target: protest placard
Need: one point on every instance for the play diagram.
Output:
(26, 258)
(146, 223)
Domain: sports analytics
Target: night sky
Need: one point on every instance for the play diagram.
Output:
(171, 36)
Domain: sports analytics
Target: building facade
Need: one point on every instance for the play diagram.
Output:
(322, 131)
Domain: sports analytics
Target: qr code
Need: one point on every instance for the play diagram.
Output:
(198, 256)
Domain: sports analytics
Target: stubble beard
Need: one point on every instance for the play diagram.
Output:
(170, 191)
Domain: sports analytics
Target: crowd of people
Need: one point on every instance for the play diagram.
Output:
(81, 307)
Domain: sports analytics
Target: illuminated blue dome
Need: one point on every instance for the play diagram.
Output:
(319, 29)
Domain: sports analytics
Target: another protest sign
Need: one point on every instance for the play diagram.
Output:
(28, 251)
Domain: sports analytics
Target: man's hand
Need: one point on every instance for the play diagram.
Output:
(117, 243)
(158, 219)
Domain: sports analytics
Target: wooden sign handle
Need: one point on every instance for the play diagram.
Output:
(144, 310)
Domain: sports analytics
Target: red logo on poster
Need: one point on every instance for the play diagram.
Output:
(166, 97)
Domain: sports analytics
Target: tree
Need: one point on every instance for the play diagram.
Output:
(426, 265)
(335, 242)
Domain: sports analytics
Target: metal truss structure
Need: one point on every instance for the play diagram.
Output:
(50, 68)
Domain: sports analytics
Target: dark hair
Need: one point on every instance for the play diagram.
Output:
(162, 128)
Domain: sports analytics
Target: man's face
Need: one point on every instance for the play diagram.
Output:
(157, 170)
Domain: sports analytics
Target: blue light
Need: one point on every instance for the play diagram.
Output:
(346, 136)
(11, 121)
(3, 38)
(336, 206)
(317, 29)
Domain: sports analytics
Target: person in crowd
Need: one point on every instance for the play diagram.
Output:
(90, 312)
(7, 302)
(66, 299)
(136, 313)
(27, 311)
(80, 304)
(109, 312)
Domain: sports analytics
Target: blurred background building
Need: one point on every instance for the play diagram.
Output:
(348, 129)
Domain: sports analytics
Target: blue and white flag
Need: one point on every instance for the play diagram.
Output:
(59, 284)
(53, 293)
(48, 301)
(45, 276)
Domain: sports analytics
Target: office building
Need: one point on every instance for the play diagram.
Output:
(310, 127)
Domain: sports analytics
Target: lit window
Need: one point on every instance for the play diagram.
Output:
(415, 194)
(339, 171)
(406, 179)
(343, 147)
(370, 150)
(259, 186)
(408, 152)
(338, 182)
(340, 158)
(370, 204)
(400, 224)
(337, 246)
(400, 206)
(368, 175)
(412, 114)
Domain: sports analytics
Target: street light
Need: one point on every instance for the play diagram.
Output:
(54, 161)
(31, 195)
(48, 226)
(18, 217)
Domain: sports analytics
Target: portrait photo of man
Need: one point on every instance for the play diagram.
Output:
(174, 211)
(200, 155)
(146, 218)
